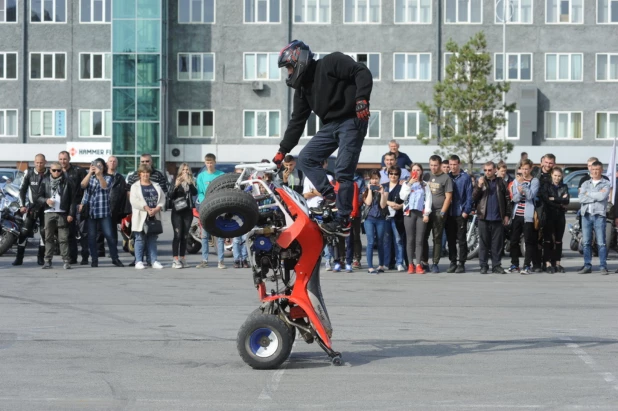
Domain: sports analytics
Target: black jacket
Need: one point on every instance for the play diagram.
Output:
(67, 189)
(480, 195)
(30, 186)
(331, 87)
(179, 192)
(76, 174)
(118, 194)
(555, 206)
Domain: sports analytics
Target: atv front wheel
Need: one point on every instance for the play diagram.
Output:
(223, 182)
(264, 341)
(229, 213)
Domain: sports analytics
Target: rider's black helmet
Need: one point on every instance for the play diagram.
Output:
(297, 55)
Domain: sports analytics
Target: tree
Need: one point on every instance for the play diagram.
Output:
(468, 105)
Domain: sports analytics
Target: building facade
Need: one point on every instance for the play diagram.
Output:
(182, 78)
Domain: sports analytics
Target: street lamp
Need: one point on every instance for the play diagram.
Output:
(504, 18)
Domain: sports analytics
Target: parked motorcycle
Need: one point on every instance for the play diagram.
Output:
(128, 242)
(577, 237)
(285, 245)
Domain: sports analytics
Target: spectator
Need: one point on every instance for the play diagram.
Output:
(290, 175)
(117, 197)
(394, 220)
(203, 181)
(544, 173)
(445, 167)
(147, 200)
(27, 194)
(593, 197)
(417, 207)
(457, 220)
(355, 235)
(524, 189)
(493, 208)
(57, 195)
(239, 244)
(182, 213)
(401, 159)
(503, 173)
(375, 202)
(97, 184)
(389, 159)
(523, 156)
(76, 174)
(441, 187)
(585, 178)
(352, 253)
(555, 196)
(156, 176)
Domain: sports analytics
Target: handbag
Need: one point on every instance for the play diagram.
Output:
(181, 203)
(152, 226)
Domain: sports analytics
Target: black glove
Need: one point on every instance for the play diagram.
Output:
(362, 110)
(279, 159)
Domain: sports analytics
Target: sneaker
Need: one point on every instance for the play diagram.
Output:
(560, 269)
(420, 269)
(94, 264)
(221, 266)
(356, 264)
(157, 265)
(411, 269)
(452, 268)
(550, 269)
(139, 265)
(537, 270)
(337, 227)
(460, 269)
(435, 269)
(380, 269)
(183, 263)
(372, 271)
(484, 270)
(237, 264)
(514, 269)
(337, 268)
(327, 266)
(203, 264)
(348, 268)
(47, 265)
(83, 262)
(117, 263)
(585, 270)
(400, 268)
(66, 265)
(425, 267)
(245, 264)
(498, 270)
(525, 271)
(603, 271)
(176, 264)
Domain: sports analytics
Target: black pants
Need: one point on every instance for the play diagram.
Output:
(456, 230)
(435, 226)
(74, 230)
(530, 238)
(181, 223)
(353, 243)
(553, 231)
(491, 237)
(29, 220)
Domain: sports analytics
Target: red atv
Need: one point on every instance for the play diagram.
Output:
(285, 246)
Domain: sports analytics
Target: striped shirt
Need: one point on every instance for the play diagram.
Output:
(521, 206)
(98, 197)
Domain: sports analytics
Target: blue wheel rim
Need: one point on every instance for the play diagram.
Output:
(229, 222)
(263, 342)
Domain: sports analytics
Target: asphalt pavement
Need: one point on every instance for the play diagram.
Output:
(121, 339)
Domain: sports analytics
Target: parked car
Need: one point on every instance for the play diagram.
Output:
(572, 181)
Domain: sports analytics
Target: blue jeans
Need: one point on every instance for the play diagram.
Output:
(391, 234)
(106, 226)
(596, 223)
(375, 228)
(145, 244)
(327, 253)
(239, 248)
(346, 135)
(220, 246)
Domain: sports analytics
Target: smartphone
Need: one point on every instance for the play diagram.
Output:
(415, 175)
(374, 188)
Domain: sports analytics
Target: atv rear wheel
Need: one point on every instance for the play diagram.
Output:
(264, 341)
(229, 213)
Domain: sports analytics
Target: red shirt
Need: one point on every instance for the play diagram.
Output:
(355, 205)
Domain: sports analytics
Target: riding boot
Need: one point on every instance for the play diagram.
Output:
(19, 260)
(40, 258)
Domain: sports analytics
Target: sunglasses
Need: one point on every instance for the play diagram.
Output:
(144, 162)
(54, 170)
(488, 169)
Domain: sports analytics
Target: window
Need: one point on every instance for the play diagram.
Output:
(261, 66)
(317, 56)
(8, 65)
(48, 66)
(410, 124)
(48, 123)
(412, 11)
(374, 129)
(371, 60)
(8, 11)
(95, 66)
(95, 123)
(564, 67)
(563, 124)
(412, 66)
(262, 11)
(313, 125)
(463, 11)
(564, 11)
(511, 126)
(447, 60)
(312, 11)
(607, 67)
(196, 11)
(48, 11)
(196, 123)
(196, 66)
(519, 66)
(606, 125)
(8, 123)
(261, 123)
(517, 11)
(607, 11)
(362, 11)
(95, 11)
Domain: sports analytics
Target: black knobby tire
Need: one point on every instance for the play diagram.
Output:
(223, 182)
(193, 246)
(7, 239)
(264, 341)
(229, 213)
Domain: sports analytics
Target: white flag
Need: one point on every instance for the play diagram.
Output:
(611, 166)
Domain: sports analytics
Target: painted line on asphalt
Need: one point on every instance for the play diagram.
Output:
(583, 355)
(271, 387)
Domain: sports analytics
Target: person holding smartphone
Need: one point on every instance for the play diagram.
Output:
(182, 213)
(375, 199)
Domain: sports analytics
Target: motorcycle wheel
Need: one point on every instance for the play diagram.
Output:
(223, 182)
(229, 213)
(264, 341)
(474, 243)
(193, 247)
(7, 240)
(574, 245)
(131, 246)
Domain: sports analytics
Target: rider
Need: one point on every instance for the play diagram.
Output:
(337, 89)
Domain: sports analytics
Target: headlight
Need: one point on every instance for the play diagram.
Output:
(14, 207)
